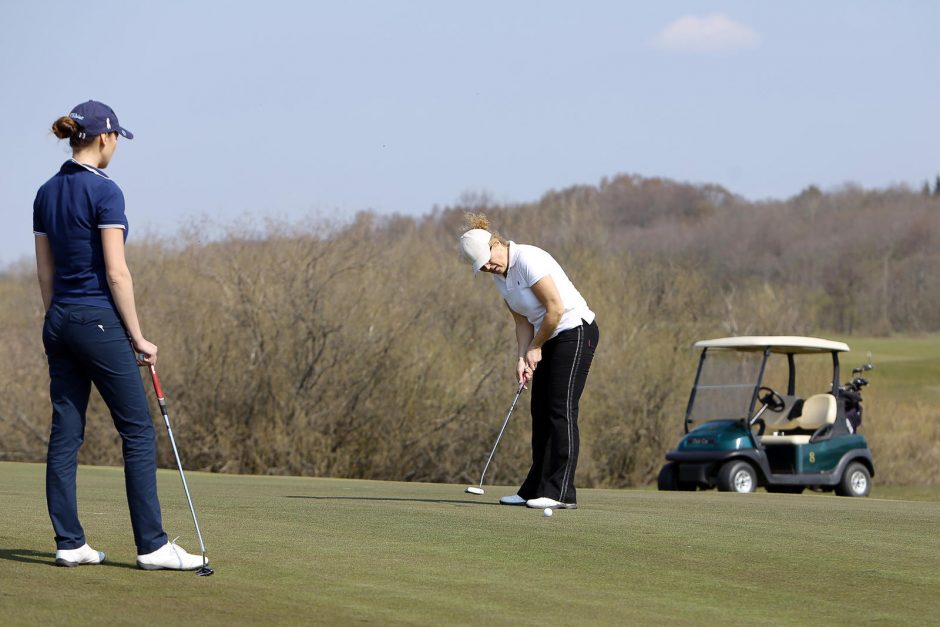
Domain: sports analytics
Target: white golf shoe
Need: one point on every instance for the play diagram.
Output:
(76, 557)
(545, 502)
(515, 499)
(170, 556)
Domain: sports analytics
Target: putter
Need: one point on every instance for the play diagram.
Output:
(479, 489)
(204, 570)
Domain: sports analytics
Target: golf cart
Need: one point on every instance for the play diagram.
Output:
(742, 433)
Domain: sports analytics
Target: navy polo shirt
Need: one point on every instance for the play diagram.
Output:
(70, 209)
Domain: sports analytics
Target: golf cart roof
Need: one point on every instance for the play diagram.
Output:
(776, 344)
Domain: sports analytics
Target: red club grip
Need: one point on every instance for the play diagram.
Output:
(156, 383)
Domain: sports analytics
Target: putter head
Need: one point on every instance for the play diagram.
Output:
(204, 571)
(474, 490)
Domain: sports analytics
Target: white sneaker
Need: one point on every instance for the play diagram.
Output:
(545, 502)
(515, 499)
(170, 556)
(75, 557)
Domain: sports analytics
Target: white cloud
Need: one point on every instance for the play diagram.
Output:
(708, 34)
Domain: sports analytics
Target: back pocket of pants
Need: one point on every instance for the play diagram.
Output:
(105, 320)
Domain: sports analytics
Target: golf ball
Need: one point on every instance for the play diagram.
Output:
(547, 512)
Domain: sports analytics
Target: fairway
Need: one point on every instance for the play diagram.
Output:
(907, 368)
(328, 551)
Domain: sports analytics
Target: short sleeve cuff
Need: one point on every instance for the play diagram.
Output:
(110, 226)
(39, 234)
(537, 276)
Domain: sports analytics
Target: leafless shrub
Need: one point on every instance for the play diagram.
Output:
(366, 349)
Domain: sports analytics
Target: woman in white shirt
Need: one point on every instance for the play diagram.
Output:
(556, 336)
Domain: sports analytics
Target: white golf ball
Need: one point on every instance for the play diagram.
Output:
(547, 512)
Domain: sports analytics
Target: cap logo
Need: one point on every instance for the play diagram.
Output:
(76, 116)
(107, 122)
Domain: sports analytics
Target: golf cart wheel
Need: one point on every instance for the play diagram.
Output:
(669, 479)
(785, 489)
(856, 481)
(737, 476)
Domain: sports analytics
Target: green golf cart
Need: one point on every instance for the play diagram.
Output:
(751, 422)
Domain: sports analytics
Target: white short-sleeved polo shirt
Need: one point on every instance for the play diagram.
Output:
(527, 265)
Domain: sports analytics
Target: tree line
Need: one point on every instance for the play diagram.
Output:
(367, 349)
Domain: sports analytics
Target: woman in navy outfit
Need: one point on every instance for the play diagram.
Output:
(92, 335)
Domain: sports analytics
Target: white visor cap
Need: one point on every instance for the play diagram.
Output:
(475, 246)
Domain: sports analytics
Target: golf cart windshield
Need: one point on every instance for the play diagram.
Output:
(724, 388)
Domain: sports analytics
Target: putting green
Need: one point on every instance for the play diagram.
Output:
(299, 550)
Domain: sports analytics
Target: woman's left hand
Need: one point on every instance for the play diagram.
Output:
(146, 352)
(532, 358)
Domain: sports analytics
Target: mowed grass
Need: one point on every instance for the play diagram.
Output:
(328, 551)
(907, 368)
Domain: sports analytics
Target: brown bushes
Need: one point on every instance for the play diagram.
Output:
(368, 350)
(905, 442)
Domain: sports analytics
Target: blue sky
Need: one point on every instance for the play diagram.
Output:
(289, 109)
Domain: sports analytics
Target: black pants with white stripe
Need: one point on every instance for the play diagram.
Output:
(556, 390)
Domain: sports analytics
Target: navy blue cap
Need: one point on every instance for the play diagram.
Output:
(96, 118)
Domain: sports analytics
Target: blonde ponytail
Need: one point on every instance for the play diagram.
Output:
(480, 221)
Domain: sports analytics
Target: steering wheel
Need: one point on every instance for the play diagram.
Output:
(771, 399)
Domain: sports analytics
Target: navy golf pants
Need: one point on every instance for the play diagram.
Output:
(88, 345)
(556, 391)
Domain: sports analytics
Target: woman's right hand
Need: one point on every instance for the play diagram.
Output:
(523, 373)
(146, 352)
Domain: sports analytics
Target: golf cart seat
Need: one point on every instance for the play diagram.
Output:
(818, 410)
(788, 419)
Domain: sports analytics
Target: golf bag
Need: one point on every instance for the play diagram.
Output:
(851, 396)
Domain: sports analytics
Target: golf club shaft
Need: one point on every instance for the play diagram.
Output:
(161, 401)
(499, 437)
